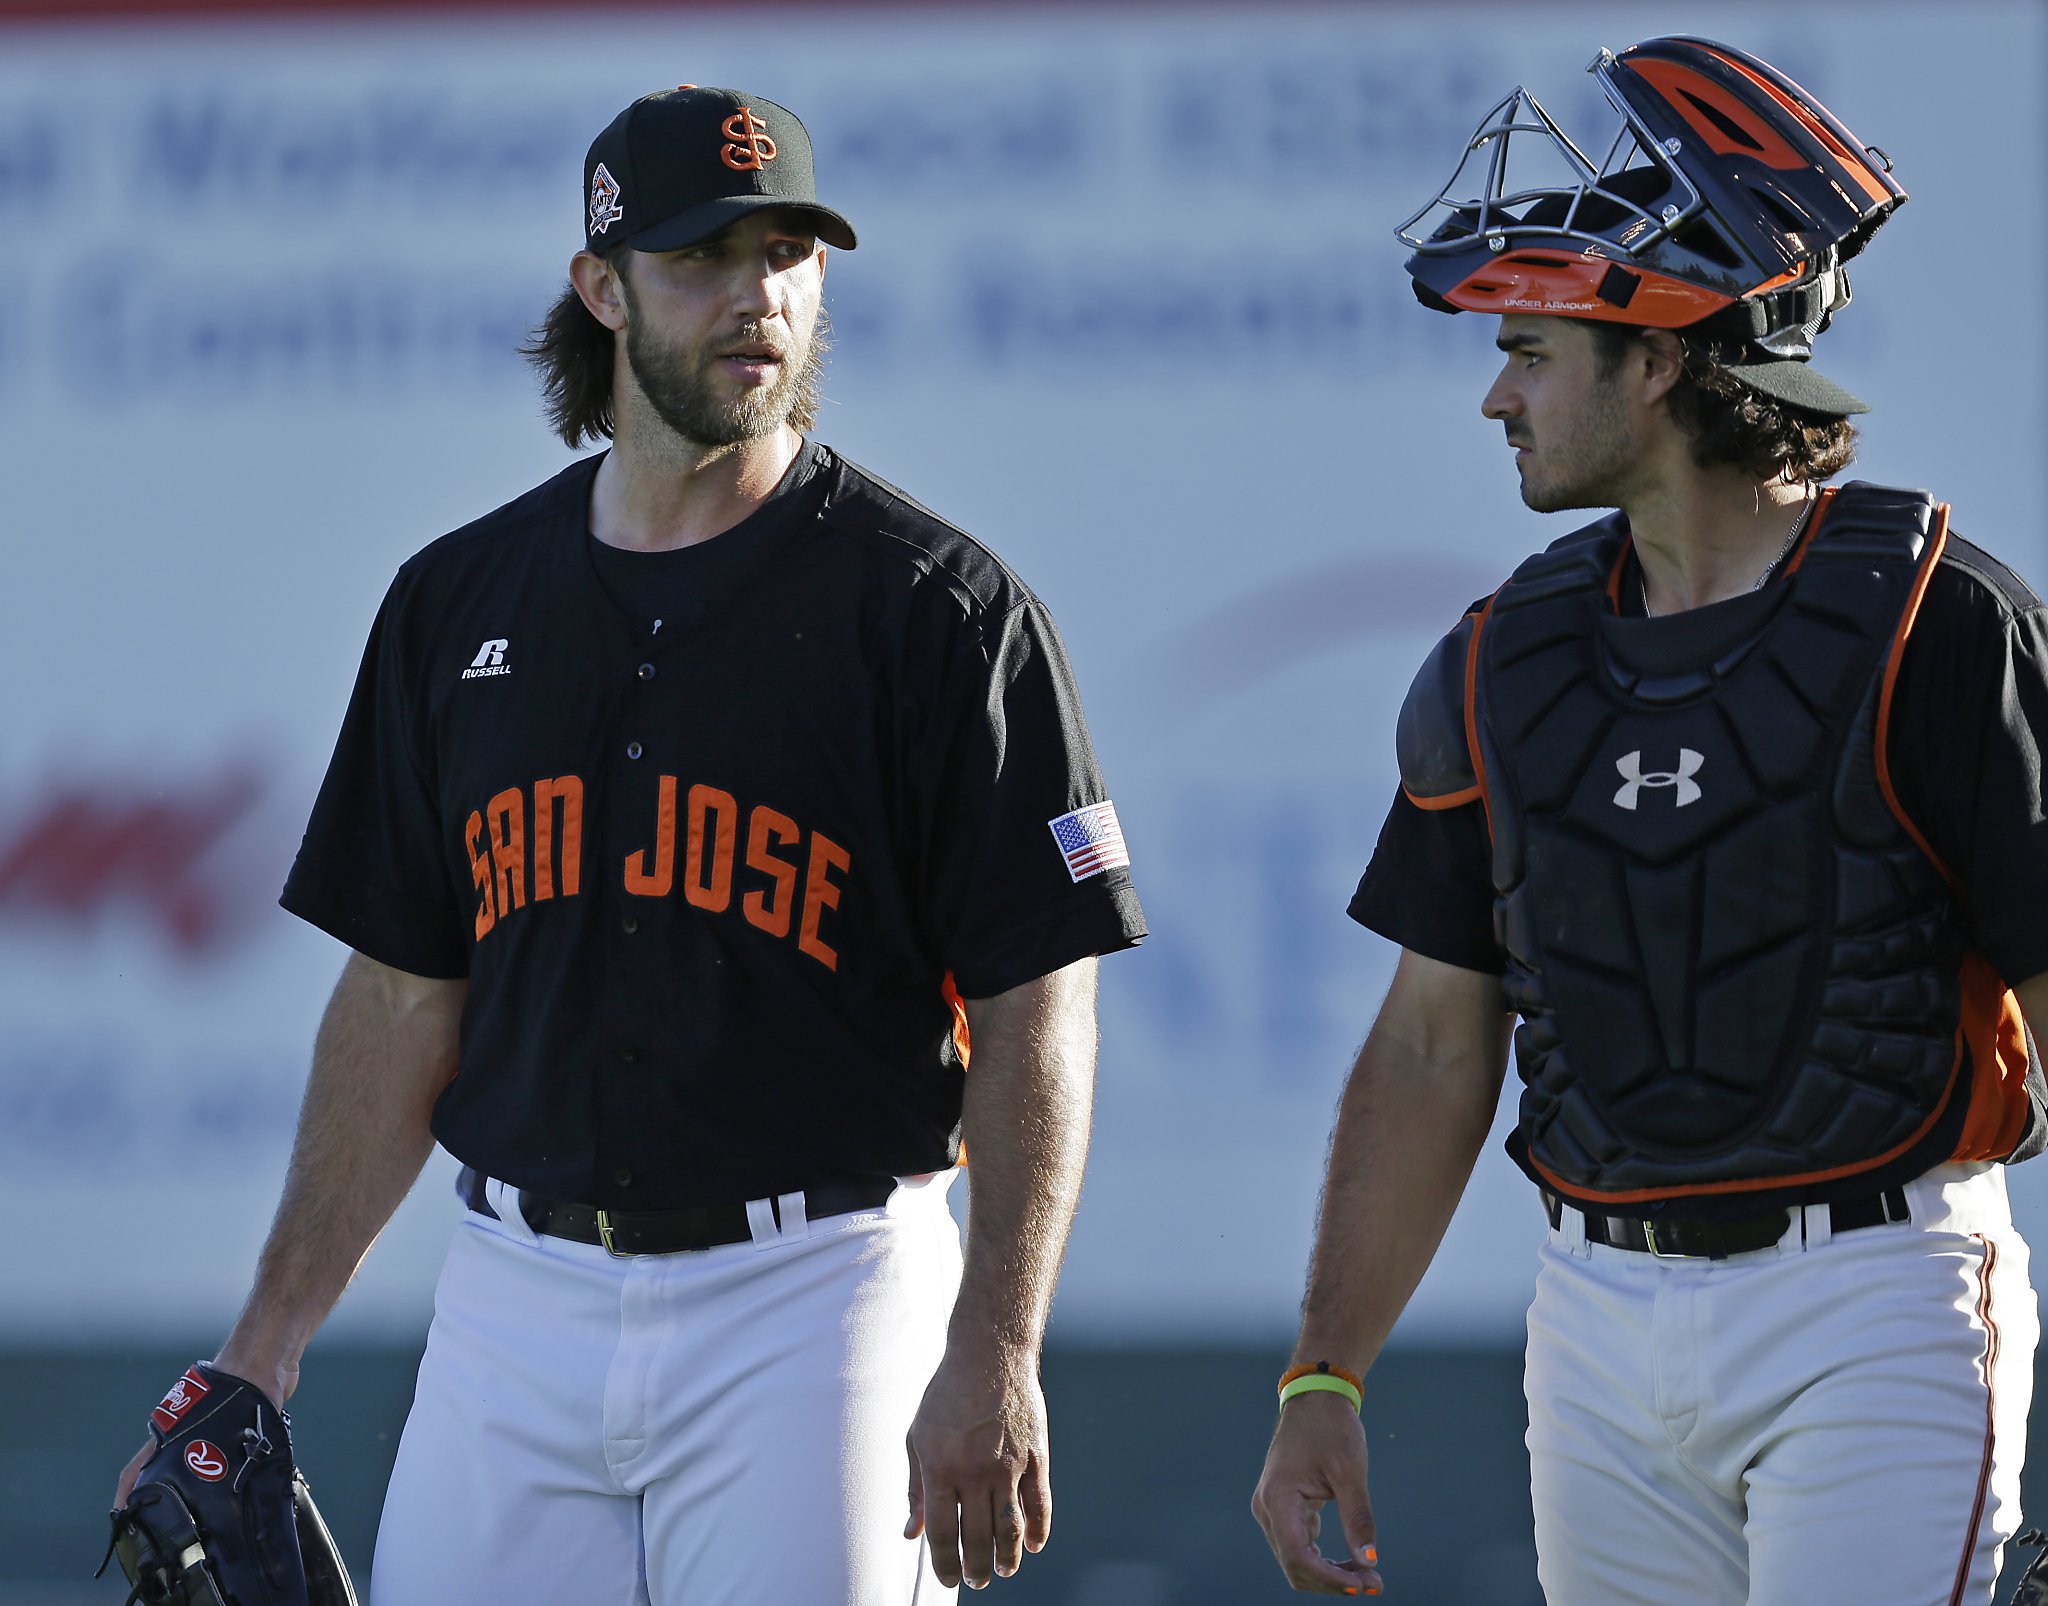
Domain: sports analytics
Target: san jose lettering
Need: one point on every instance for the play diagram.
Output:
(785, 879)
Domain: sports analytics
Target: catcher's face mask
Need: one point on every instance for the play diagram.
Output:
(1723, 191)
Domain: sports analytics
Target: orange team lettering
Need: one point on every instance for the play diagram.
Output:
(819, 895)
(480, 872)
(639, 881)
(770, 910)
(506, 815)
(710, 887)
(568, 791)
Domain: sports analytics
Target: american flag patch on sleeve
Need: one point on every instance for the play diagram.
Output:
(1090, 840)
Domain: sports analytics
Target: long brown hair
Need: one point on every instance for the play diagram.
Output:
(574, 355)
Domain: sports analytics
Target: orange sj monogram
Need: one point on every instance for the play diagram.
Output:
(751, 147)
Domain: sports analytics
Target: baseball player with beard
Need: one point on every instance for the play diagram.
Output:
(696, 818)
(1734, 797)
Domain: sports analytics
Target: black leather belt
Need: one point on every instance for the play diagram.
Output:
(1716, 1240)
(668, 1232)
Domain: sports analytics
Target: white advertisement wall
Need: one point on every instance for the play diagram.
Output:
(1127, 305)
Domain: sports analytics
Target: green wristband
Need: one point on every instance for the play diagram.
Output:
(1322, 1382)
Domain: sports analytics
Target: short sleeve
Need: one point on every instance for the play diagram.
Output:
(372, 870)
(1429, 885)
(1010, 756)
(1967, 766)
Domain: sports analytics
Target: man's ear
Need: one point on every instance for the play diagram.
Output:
(599, 284)
(1661, 358)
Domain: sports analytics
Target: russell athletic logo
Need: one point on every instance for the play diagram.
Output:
(751, 148)
(604, 200)
(1634, 780)
(490, 660)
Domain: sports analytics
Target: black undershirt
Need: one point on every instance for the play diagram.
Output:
(1967, 764)
(677, 589)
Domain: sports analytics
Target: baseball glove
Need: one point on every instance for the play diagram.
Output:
(2033, 1590)
(219, 1515)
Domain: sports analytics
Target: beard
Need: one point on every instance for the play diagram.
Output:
(688, 393)
(1586, 459)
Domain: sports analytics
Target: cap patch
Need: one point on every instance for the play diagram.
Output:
(604, 200)
(750, 149)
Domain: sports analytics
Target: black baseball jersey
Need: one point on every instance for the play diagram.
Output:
(718, 836)
(1967, 764)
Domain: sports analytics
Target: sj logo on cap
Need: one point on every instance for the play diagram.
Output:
(751, 148)
(604, 200)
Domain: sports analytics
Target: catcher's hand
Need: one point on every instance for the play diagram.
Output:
(219, 1515)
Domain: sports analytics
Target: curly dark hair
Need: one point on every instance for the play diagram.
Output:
(1728, 422)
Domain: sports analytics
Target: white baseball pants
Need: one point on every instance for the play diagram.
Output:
(1829, 1419)
(714, 1428)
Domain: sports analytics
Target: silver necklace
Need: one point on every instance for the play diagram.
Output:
(1771, 568)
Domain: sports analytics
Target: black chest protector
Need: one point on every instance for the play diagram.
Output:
(1732, 963)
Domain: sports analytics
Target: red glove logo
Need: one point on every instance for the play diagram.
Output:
(187, 1392)
(206, 1461)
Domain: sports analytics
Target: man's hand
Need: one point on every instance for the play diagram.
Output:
(276, 1380)
(1318, 1455)
(980, 1474)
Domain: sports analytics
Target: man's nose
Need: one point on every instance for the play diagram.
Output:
(753, 291)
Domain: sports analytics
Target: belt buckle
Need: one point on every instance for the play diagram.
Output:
(604, 1234)
(1650, 1238)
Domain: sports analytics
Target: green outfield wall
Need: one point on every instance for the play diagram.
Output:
(1155, 1454)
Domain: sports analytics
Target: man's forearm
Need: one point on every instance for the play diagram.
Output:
(385, 1049)
(1414, 1115)
(1029, 1098)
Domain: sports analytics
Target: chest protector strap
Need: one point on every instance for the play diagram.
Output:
(1736, 968)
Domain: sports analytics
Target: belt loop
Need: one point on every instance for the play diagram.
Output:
(1571, 1227)
(1819, 1230)
(761, 1223)
(504, 1199)
(796, 1222)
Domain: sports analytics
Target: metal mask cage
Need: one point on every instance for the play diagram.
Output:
(1498, 213)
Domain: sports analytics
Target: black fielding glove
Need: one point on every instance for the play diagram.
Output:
(219, 1515)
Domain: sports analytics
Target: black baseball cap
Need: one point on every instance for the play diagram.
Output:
(1791, 379)
(681, 164)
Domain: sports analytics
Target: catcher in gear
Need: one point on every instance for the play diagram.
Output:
(1732, 798)
(219, 1515)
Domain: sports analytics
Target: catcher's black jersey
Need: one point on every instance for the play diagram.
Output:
(716, 853)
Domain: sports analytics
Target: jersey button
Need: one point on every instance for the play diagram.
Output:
(633, 750)
(623, 1177)
(628, 1054)
(630, 924)
(647, 671)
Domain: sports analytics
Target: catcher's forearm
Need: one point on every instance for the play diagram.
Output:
(387, 1045)
(1029, 1099)
(1414, 1115)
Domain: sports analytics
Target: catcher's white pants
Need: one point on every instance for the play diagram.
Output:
(716, 1428)
(1831, 1419)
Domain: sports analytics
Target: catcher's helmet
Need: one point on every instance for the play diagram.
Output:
(1728, 193)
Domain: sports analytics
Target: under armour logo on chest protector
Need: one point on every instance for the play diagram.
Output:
(1634, 780)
